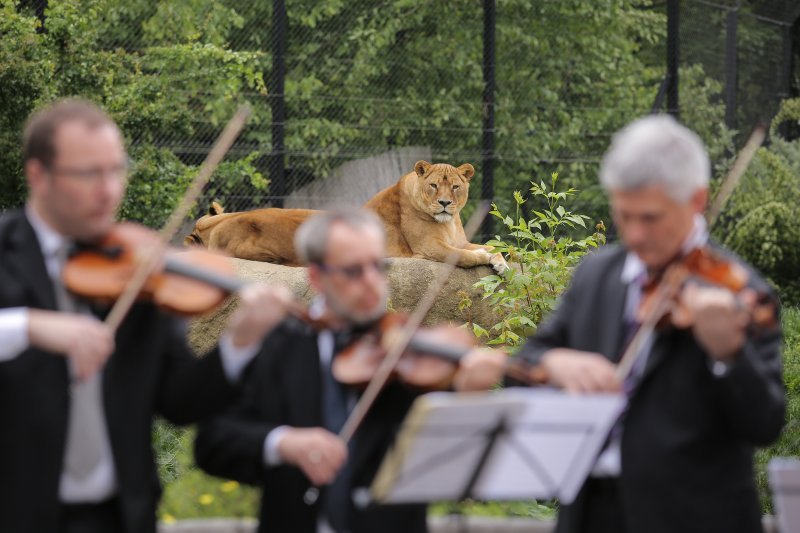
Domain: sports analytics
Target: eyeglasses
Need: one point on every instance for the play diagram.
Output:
(93, 175)
(356, 271)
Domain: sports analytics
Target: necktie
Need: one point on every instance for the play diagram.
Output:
(86, 429)
(336, 503)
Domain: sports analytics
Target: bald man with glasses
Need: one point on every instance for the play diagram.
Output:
(283, 434)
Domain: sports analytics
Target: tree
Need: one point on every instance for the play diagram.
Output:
(155, 94)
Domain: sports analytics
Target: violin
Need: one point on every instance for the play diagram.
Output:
(190, 282)
(708, 267)
(429, 361)
(662, 306)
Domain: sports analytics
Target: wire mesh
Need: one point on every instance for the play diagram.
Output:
(371, 84)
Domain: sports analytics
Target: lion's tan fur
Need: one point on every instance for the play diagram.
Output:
(415, 211)
(258, 235)
(420, 223)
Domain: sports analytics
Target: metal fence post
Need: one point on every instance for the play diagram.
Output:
(731, 67)
(786, 78)
(277, 158)
(673, 56)
(487, 145)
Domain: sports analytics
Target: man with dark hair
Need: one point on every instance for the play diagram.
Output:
(76, 400)
(282, 435)
(703, 392)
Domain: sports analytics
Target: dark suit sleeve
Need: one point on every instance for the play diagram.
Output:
(232, 445)
(751, 394)
(190, 388)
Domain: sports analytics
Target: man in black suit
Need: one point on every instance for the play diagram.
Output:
(282, 434)
(76, 400)
(703, 392)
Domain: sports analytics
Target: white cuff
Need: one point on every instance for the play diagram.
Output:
(235, 359)
(272, 456)
(13, 332)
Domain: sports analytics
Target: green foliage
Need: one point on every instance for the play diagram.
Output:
(177, 93)
(760, 221)
(788, 445)
(233, 178)
(157, 179)
(545, 249)
(532, 509)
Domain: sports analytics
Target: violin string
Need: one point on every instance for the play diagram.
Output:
(401, 341)
(148, 262)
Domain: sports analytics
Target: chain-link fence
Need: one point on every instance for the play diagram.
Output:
(354, 92)
(748, 49)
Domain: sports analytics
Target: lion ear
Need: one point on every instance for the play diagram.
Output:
(421, 167)
(215, 209)
(467, 171)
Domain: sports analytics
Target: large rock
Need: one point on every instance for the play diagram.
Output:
(409, 280)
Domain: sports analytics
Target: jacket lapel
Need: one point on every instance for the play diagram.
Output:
(306, 401)
(24, 257)
(656, 356)
(613, 322)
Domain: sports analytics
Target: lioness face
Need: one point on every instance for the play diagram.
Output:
(444, 188)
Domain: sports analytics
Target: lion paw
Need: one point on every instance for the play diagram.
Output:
(498, 263)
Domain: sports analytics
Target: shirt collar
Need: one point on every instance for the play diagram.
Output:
(697, 238)
(50, 240)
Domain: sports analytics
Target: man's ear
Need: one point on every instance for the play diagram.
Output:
(36, 174)
(699, 200)
(467, 171)
(315, 277)
(421, 167)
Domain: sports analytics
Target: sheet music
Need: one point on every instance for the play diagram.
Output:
(441, 439)
(552, 441)
(556, 440)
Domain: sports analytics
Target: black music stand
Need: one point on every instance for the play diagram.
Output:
(510, 445)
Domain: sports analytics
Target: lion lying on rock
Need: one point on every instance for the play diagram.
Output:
(421, 213)
(258, 235)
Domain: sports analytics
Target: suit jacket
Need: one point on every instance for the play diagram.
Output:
(687, 447)
(284, 387)
(151, 372)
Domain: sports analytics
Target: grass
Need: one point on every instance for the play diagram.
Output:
(188, 491)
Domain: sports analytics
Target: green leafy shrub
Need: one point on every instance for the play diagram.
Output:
(543, 251)
(759, 222)
(169, 100)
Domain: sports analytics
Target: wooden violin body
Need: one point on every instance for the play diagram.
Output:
(190, 282)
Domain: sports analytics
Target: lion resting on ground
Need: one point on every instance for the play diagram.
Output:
(421, 214)
(258, 235)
